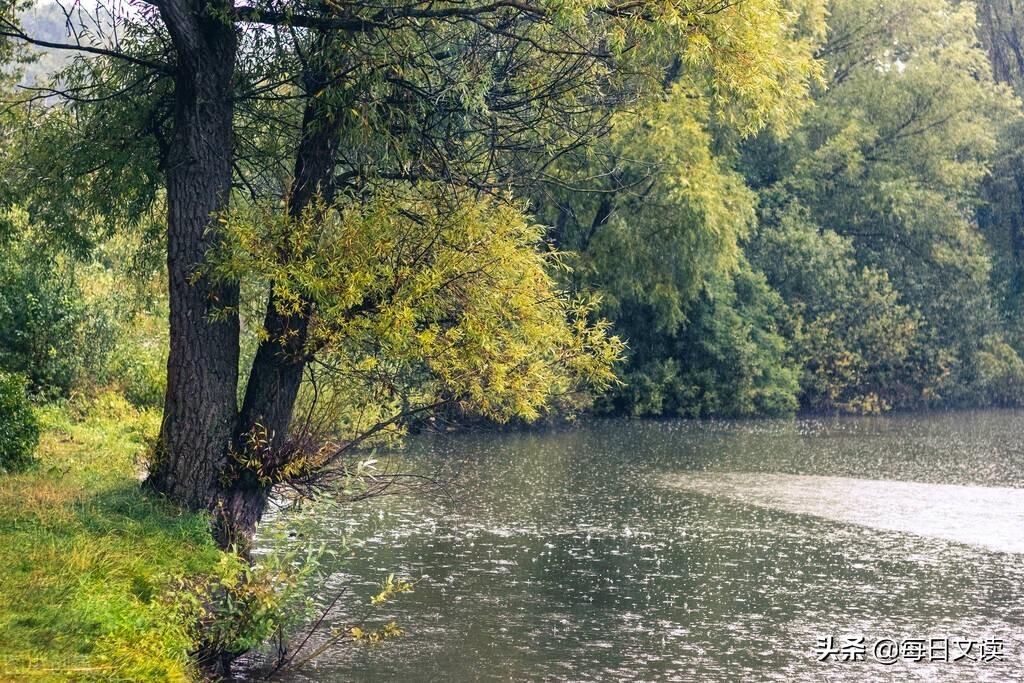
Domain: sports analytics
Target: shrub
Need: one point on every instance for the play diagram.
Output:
(137, 363)
(1000, 373)
(19, 431)
(238, 606)
(75, 324)
(41, 319)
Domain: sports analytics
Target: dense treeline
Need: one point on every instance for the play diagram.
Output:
(865, 258)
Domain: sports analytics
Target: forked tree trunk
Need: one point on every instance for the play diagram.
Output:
(200, 407)
(201, 420)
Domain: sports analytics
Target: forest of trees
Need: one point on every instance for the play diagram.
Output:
(822, 225)
(865, 259)
(298, 228)
(776, 207)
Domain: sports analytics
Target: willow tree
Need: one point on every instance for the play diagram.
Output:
(654, 214)
(360, 161)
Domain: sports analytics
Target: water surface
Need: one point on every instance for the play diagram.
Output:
(684, 551)
(985, 516)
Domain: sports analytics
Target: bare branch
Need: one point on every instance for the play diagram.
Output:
(9, 29)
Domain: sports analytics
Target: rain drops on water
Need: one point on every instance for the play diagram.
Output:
(555, 534)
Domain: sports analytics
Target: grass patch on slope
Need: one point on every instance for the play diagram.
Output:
(87, 557)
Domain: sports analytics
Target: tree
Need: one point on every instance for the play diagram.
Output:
(888, 167)
(850, 336)
(1001, 215)
(655, 212)
(441, 109)
(730, 359)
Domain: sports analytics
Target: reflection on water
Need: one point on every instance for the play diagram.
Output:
(989, 517)
(683, 551)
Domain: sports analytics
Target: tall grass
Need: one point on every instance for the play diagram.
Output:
(87, 558)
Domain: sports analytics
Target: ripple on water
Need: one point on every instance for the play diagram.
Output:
(565, 556)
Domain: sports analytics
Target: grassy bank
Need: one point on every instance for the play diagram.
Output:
(87, 559)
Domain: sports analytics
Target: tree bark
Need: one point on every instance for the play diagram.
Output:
(280, 359)
(202, 423)
(200, 406)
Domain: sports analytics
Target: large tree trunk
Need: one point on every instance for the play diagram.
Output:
(281, 357)
(201, 420)
(200, 408)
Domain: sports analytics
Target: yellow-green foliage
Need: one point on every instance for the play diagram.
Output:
(1000, 372)
(86, 557)
(426, 294)
(755, 61)
(658, 251)
(239, 606)
(125, 296)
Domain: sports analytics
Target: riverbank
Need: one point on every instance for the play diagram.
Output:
(87, 558)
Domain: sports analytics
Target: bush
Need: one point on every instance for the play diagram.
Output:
(1000, 373)
(81, 326)
(41, 319)
(136, 365)
(19, 431)
(238, 606)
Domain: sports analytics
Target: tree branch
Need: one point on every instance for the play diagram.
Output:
(379, 19)
(7, 30)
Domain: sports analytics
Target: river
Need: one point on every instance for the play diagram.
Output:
(623, 550)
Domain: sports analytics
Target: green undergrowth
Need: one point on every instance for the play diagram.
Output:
(87, 558)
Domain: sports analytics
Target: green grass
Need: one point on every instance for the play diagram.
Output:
(88, 560)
